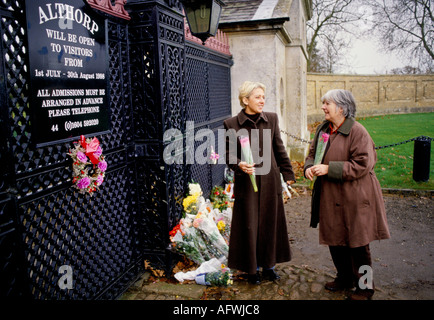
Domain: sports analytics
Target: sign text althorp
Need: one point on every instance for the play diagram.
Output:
(64, 11)
(69, 78)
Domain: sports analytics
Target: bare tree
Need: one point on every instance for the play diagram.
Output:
(407, 28)
(406, 70)
(317, 63)
(330, 23)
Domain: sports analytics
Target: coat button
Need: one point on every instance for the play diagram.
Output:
(338, 204)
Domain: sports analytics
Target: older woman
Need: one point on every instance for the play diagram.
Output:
(259, 237)
(346, 200)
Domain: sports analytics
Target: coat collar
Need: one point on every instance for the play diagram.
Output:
(345, 127)
(242, 117)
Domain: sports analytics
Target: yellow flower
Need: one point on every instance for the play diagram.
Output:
(188, 201)
(221, 225)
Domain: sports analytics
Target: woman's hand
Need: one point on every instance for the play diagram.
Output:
(247, 168)
(308, 173)
(318, 170)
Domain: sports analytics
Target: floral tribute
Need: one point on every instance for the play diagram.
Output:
(214, 156)
(88, 165)
(247, 153)
(319, 154)
(220, 278)
(202, 234)
(219, 198)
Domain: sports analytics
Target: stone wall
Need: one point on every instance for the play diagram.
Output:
(375, 95)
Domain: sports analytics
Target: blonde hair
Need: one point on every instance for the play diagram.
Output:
(246, 89)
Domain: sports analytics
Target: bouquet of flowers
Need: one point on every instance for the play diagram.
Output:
(219, 198)
(247, 153)
(229, 175)
(212, 265)
(224, 228)
(88, 165)
(216, 278)
(229, 186)
(185, 242)
(319, 154)
(202, 235)
(209, 232)
(197, 235)
(214, 156)
(190, 203)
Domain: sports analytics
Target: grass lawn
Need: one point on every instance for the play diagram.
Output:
(394, 167)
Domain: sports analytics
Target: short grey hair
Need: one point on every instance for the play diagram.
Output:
(343, 99)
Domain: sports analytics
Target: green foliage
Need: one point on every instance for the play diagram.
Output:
(219, 198)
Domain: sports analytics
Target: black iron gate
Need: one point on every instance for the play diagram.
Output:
(157, 81)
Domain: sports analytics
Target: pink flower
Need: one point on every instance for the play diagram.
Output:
(197, 222)
(81, 156)
(214, 156)
(98, 152)
(325, 137)
(102, 165)
(99, 180)
(244, 141)
(83, 183)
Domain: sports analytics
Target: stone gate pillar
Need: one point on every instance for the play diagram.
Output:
(268, 44)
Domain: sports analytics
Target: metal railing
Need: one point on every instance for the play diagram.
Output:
(377, 148)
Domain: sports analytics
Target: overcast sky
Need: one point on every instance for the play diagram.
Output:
(365, 57)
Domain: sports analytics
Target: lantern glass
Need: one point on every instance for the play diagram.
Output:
(203, 17)
(198, 15)
(214, 24)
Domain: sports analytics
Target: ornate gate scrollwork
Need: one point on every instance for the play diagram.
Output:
(157, 81)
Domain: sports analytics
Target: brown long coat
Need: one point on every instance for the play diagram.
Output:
(258, 232)
(348, 200)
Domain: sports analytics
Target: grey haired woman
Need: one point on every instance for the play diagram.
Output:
(347, 201)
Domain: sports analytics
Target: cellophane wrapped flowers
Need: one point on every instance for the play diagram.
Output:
(203, 233)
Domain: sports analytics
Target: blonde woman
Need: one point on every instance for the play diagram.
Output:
(259, 237)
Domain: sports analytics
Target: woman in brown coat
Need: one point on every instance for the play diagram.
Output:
(259, 237)
(347, 200)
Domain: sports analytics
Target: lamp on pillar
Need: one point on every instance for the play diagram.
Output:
(203, 17)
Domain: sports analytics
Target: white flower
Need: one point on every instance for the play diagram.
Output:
(194, 188)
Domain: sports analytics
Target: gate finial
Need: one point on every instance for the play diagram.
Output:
(117, 10)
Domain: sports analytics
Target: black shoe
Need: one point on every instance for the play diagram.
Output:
(254, 278)
(338, 285)
(269, 274)
(360, 295)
